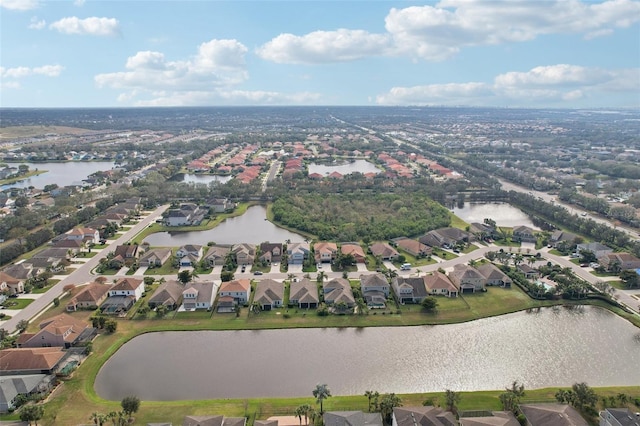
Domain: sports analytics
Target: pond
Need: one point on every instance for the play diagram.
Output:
(547, 348)
(504, 214)
(252, 227)
(362, 166)
(62, 173)
(200, 178)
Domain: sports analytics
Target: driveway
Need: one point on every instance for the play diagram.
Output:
(295, 269)
(362, 267)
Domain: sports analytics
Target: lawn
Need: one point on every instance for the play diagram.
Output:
(456, 222)
(14, 303)
(46, 288)
(443, 254)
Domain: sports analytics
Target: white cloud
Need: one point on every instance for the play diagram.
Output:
(22, 72)
(89, 26)
(20, 4)
(437, 32)
(561, 85)
(37, 24)
(78, 3)
(223, 97)
(324, 46)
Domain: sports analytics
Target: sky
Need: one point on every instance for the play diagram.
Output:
(514, 53)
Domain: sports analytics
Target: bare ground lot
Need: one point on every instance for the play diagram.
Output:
(7, 133)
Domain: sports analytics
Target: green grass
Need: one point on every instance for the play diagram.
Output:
(555, 252)
(46, 288)
(469, 248)
(443, 254)
(13, 303)
(456, 222)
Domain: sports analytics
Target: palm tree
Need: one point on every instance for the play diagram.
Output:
(451, 400)
(298, 413)
(369, 395)
(321, 276)
(362, 306)
(321, 392)
(113, 416)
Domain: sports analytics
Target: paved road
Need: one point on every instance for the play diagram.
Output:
(79, 276)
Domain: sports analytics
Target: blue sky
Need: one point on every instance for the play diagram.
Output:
(515, 53)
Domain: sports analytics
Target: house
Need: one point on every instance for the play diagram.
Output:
(214, 421)
(90, 297)
(71, 246)
(245, 254)
(325, 252)
(338, 290)
(189, 249)
(304, 293)
(60, 331)
(11, 285)
(482, 230)
(355, 250)
(562, 236)
(155, 257)
(493, 275)
(31, 360)
(269, 294)
(127, 287)
(445, 237)
(198, 295)
(21, 271)
(216, 255)
(351, 418)
(529, 272)
(621, 261)
(239, 290)
(297, 253)
(176, 217)
(168, 294)
(375, 289)
(54, 252)
(384, 251)
(552, 415)
(422, 416)
(409, 289)
(414, 247)
(15, 387)
(86, 235)
(598, 250)
(496, 418)
(618, 417)
(467, 278)
(271, 252)
(524, 234)
(220, 205)
(438, 284)
(126, 251)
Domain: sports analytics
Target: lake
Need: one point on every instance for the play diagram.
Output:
(63, 174)
(362, 166)
(200, 178)
(504, 214)
(252, 227)
(547, 348)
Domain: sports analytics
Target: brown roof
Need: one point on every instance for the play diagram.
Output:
(30, 358)
(93, 292)
(61, 324)
(126, 284)
(236, 285)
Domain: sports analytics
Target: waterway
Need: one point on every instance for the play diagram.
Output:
(547, 348)
(252, 227)
(504, 214)
(201, 178)
(60, 173)
(362, 166)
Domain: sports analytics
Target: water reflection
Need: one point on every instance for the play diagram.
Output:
(361, 166)
(504, 214)
(60, 173)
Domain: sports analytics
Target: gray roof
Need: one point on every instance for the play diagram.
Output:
(417, 283)
(423, 416)
(497, 418)
(373, 280)
(351, 418)
(624, 416)
(304, 291)
(169, 292)
(12, 386)
(552, 415)
(268, 291)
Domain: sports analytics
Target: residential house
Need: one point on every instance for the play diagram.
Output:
(239, 290)
(598, 250)
(351, 418)
(493, 275)
(132, 287)
(496, 418)
(187, 214)
(445, 237)
(621, 261)
(86, 235)
(562, 237)
(269, 294)
(189, 254)
(304, 293)
(155, 257)
(168, 294)
(413, 247)
(90, 297)
(245, 254)
(72, 247)
(126, 251)
(270, 252)
(198, 295)
(338, 290)
(53, 253)
(220, 205)
(619, 417)
(297, 253)
(438, 284)
(355, 250)
(16, 387)
(21, 271)
(482, 231)
(409, 289)
(267, 422)
(31, 360)
(216, 255)
(422, 416)
(529, 272)
(384, 251)
(467, 278)
(524, 234)
(60, 331)
(214, 421)
(375, 289)
(325, 252)
(552, 415)
(11, 285)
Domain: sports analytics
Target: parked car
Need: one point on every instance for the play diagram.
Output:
(257, 273)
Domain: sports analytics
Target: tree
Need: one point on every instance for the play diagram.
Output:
(161, 311)
(320, 393)
(298, 413)
(31, 413)
(429, 304)
(130, 405)
(452, 398)
(584, 395)
(186, 276)
(370, 395)
(387, 404)
(511, 398)
(321, 276)
(111, 326)
(22, 325)
(629, 278)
